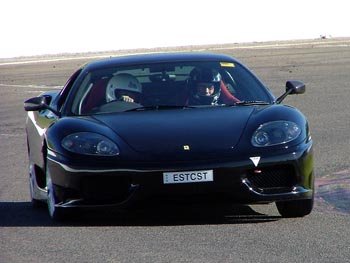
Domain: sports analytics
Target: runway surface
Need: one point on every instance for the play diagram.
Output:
(212, 234)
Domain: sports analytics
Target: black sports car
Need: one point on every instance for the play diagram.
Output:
(194, 127)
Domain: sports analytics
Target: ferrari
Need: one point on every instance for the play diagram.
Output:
(170, 127)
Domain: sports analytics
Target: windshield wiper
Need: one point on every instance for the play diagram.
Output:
(251, 102)
(160, 107)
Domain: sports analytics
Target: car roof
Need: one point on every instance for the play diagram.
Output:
(151, 58)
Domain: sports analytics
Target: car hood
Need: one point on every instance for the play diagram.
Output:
(203, 131)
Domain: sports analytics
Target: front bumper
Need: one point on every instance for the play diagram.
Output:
(275, 178)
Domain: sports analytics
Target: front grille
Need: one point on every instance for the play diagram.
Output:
(272, 177)
(105, 188)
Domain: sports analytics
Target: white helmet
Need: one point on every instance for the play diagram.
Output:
(122, 81)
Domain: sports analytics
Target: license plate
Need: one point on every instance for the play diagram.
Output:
(188, 177)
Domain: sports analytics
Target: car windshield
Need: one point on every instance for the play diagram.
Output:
(167, 86)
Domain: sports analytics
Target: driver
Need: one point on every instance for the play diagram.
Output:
(204, 86)
(123, 87)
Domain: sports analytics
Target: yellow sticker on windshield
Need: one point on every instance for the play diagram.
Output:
(227, 64)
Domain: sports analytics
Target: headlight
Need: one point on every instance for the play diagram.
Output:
(275, 132)
(90, 143)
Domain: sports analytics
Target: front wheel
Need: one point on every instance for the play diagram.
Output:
(32, 191)
(56, 213)
(296, 208)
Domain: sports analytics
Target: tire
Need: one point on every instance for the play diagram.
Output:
(36, 203)
(296, 208)
(56, 213)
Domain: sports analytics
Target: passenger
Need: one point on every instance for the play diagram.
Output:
(124, 87)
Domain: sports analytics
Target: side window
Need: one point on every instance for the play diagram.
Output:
(65, 90)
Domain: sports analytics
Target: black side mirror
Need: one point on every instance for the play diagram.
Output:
(35, 104)
(38, 104)
(296, 87)
(292, 87)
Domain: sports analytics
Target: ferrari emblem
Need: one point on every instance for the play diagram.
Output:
(186, 147)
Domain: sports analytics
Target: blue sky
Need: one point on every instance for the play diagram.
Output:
(40, 27)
